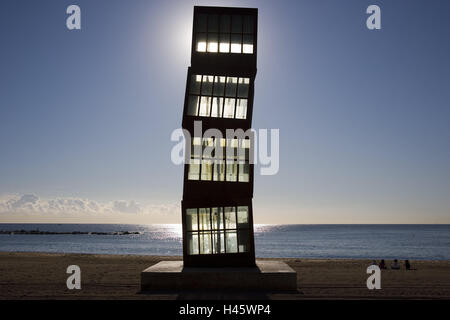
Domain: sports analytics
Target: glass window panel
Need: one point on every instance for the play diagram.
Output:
(219, 171)
(244, 241)
(208, 148)
(224, 45)
(232, 172)
(213, 42)
(217, 218)
(244, 172)
(242, 151)
(201, 22)
(205, 243)
(205, 106)
(194, 171)
(236, 23)
(225, 23)
(207, 85)
(247, 44)
(204, 219)
(231, 149)
(241, 109)
(248, 24)
(243, 87)
(219, 86)
(228, 111)
(191, 219)
(236, 43)
(218, 150)
(231, 241)
(213, 23)
(242, 214)
(192, 243)
(217, 105)
(193, 105)
(219, 242)
(207, 172)
(201, 42)
(230, 217)
(231, 87)
(196, 149)
(195, 84)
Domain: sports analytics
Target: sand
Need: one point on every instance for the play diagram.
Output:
(43, 276)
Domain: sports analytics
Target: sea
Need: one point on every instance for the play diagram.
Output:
(424, 242)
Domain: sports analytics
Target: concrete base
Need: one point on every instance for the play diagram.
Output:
(267, 276)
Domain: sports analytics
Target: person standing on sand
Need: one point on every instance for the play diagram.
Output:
(382, 265)
(395, 266)
(407, 265)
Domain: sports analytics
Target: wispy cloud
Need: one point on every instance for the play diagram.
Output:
(33, 205)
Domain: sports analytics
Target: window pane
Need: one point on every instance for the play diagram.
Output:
(225, 23)
(205, 243)
(232, 172)
(248, 24)
(244, 172)
(194, 171)
(207, 85)
(243, 87)
(231, 239)
(244, 241)
(208, 148)
(224, 42)
(196, 149)
(217, 105)
(217, 218)
(201, 23)
(193, 105)
(205, 106)
(204, 220)
(228, 111)
(195, 84)
(201, 42)
(248, 44)
(218, 150)
(243, 148)
(192, 243)
(218, 242)
(219, 171)
(213, 23)
(236, 42)
(231, 149)
(191, 220)
(242, 214)
(213, 42)
(241, 109)
(236, 24)
(219, 86)
(230, 218)
(231, 87)
(207, 170)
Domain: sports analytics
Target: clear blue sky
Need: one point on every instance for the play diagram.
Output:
(86, 116)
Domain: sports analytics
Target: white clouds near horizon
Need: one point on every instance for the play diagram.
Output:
(34, 207)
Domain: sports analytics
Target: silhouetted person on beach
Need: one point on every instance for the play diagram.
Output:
(395, 266)
(374, 263)
(407, 265)
(382, 265)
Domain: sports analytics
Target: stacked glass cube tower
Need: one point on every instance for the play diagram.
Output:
(217, 210)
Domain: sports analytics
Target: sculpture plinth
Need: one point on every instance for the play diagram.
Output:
(265, 276)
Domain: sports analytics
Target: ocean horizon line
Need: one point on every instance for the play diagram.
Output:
(256, 224)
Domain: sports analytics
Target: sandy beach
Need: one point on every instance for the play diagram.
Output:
(43, 276)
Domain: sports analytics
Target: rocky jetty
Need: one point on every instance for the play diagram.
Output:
(38, 232)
